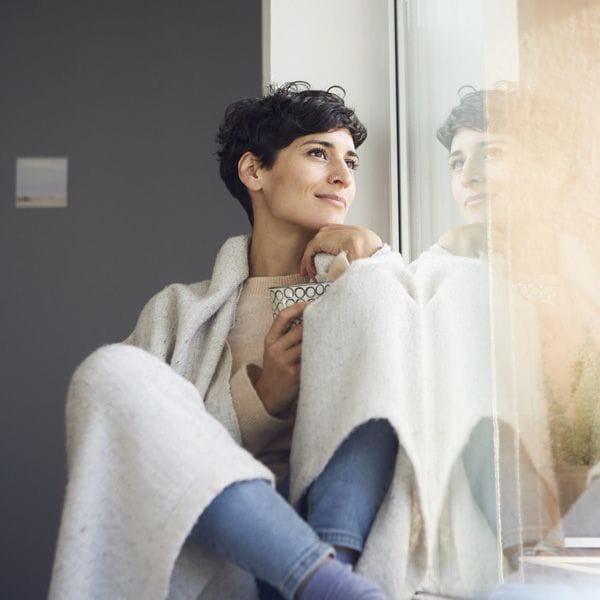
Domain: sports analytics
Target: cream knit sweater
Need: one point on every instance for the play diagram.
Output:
(266, 437)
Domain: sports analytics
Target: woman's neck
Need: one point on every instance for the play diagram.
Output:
(277, 252)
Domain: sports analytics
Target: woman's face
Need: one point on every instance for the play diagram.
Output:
(478, 163)
(311, 183)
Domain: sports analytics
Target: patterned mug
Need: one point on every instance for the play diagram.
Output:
(286, 295)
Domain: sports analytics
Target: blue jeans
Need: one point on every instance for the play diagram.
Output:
(531, 520)
(253, 526)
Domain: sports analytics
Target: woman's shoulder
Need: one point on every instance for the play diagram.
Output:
(177, 292)
(160, 315)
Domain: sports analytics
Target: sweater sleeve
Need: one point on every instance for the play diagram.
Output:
(257, 426)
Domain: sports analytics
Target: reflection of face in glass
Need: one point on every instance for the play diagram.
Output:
(477, 163)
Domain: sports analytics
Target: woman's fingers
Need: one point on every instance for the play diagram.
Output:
(293, 354)
(329, 239)
(355, 241)
(288, 362)
(307, 264)
(283, 321)
(289, 339)
(279, 378)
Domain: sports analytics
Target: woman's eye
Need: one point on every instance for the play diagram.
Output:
(352, 164)
(492, 152)
(457, 164)
(318, 152)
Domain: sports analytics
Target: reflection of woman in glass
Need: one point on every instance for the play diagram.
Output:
(480, 165)
(465, 135)
(155, 460)
(543, 230)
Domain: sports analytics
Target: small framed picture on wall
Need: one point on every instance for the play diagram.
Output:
(41, 182)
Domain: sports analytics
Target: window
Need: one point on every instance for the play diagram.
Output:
(499, 169)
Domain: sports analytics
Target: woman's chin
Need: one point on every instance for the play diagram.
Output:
(476, 216)
(331, 219)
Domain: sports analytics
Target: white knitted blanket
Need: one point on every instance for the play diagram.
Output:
(144, 463)
(409, 344)
(412, 344)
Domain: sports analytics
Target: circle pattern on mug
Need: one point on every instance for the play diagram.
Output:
(284, 296)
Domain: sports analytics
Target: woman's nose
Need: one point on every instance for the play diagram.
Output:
(341, 174)
(473, 171)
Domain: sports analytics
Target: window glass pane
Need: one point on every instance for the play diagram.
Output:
(500, 161)
(449, 47)
(542, 182)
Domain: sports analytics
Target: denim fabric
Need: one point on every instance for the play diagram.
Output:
(343, 501)
(253, 526)
(531, 520)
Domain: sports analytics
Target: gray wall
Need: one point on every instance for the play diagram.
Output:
(132, 93)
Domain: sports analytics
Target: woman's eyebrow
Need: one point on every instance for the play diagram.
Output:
(482, 144)
(328, 145)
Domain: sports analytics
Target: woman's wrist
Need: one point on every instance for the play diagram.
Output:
(263, 388)
(372, 243)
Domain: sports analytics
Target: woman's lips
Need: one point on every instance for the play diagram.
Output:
(333, 198)
(475, 199)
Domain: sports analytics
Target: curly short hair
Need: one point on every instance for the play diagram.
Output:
(476, 107)
(266, 125)
(470, 113)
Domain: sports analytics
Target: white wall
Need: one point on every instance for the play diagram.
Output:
(349, 43)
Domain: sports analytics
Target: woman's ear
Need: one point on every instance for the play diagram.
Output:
(248, 171)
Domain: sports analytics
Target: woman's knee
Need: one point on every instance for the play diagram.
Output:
(370, 450)
(110, 362)
(110, 374)
(375, 437)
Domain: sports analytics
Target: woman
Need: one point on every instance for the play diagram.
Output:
(152, 457)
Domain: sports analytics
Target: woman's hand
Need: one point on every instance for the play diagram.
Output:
(357, 242)
(278, 383)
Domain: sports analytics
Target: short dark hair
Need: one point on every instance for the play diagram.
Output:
(266, 125)
(470, 113)
(502, 103)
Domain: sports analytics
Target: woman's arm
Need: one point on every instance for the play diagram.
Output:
(355, 241)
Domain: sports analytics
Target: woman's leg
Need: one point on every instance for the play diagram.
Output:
(251, 525)
(144, 458)
(343, 501)
(529, 521)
